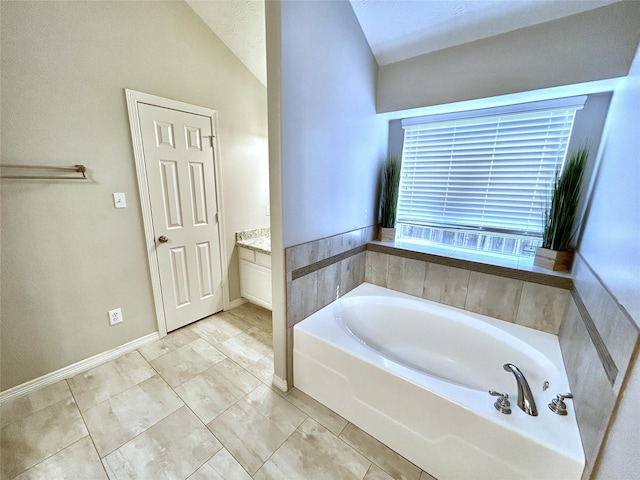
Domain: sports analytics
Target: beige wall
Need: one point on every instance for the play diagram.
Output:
(332, 141)
(593, 45)
(68, 255)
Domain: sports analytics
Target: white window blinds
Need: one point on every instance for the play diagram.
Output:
(485, 171)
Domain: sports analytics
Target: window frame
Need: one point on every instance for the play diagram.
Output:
(478, 117)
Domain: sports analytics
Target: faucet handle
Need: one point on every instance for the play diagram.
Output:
(558, 406)
(502, 404)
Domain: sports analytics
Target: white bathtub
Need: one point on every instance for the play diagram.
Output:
(415, 374)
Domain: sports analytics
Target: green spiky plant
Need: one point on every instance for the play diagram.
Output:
(389, 187)
(560, 216)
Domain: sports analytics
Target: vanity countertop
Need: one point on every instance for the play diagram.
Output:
(258, 239)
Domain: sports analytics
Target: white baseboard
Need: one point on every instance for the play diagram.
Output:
(279, 383)
(237, 302)
(76, 368)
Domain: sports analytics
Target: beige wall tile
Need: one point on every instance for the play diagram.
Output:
(446, 285)
(301, 255)
(352, 272)
(618, 332)
(594, 398)
(328, 281)
(302, 298)
(494, 296)
(542, 307)
(376, 269)
(621, 340)
(346, 241)
(406, 275)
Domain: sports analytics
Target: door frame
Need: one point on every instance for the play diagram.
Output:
(133, 99)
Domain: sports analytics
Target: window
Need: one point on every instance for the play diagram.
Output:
(481, 179)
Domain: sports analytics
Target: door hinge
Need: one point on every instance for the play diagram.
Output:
(210, 139)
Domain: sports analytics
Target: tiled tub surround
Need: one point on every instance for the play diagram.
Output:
(598, 340)
(318, 272)
(597, 337)
(529, 298)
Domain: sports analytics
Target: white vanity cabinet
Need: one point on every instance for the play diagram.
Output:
(255, 276)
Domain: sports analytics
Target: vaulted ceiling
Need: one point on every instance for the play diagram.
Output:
(395, 29)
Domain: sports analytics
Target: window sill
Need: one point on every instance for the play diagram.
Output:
(517, 269)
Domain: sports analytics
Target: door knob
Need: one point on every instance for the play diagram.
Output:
(163, 239)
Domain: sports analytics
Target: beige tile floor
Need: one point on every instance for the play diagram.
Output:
(197, 404)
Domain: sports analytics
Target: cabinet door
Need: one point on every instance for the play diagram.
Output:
(255, 283)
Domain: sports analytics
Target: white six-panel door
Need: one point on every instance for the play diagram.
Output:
(179, 161)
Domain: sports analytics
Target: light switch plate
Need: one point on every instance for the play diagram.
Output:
(119, 200)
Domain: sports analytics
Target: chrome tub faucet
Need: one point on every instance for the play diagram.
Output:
(525, 398)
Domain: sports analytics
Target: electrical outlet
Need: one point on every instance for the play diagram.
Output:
(115, 316)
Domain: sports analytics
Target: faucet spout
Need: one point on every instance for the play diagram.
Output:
(525, 398)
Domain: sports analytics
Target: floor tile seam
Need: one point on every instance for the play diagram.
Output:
(355, 447)
(215, 345)
(228, 408)
(198, 373)
(222, 447)
(243, 318)
(372, 460)
(56, 453)
(279, 446)
(286, 397)
(208, 459)
(38, 410)
(285, 440)
(86, 426)
(206, 425)
(137, 434)
(249, 372)
(140, 433)
(120, 393)
(228, 450)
